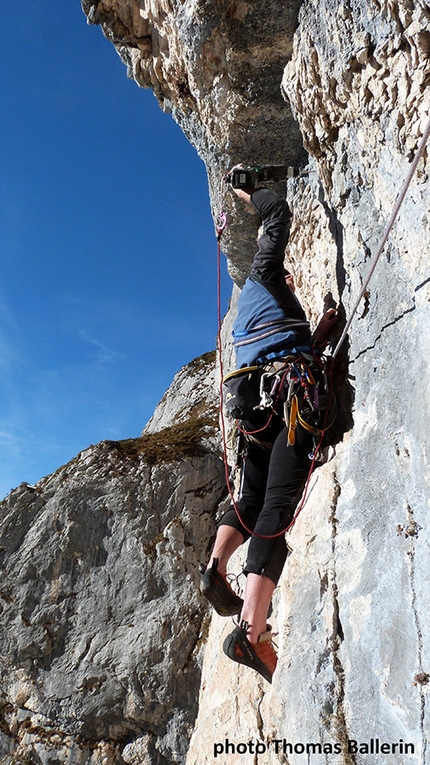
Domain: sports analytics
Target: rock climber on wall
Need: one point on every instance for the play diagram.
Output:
(270, 323)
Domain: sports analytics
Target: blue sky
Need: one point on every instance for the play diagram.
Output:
(108, 256)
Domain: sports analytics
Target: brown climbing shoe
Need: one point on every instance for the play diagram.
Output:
(260, 656)
(218, 591)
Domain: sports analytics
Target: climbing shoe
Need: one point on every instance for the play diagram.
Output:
(260, 656)
(218, 592)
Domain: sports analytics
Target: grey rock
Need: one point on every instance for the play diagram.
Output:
(102, 619)
(193, 395)
(351, 606)
(99, 562)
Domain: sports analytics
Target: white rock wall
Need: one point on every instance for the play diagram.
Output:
(353, 603)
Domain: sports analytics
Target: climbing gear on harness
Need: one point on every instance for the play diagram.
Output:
(304, 384)
(292, 424)
(310, 402)
(389, 226)
(218, 591)
(260, 656)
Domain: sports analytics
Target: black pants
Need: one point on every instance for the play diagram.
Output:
(272, 485)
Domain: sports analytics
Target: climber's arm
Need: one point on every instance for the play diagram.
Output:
(268, 264)
(245, 196)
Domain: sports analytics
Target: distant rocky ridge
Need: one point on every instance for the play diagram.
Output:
(103, 625)
(83, 591)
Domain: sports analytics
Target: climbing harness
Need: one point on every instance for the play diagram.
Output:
(389, 226)
(300, 390)
(302, 385)
(305, 388)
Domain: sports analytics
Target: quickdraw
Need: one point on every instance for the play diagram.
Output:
(293, 416)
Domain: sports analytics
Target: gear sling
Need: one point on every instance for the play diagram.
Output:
(293, 408)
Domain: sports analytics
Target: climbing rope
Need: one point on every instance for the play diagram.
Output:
(385, 236)
(221, 223)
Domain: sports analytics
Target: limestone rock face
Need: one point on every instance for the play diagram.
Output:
(353, 601)
(193, 395)
(102, 621)
(99, 562)
(358, 86)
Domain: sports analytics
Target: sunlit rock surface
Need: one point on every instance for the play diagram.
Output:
(103, 624)
(352, 606)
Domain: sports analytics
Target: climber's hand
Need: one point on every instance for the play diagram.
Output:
(244, 193)
(326, 326)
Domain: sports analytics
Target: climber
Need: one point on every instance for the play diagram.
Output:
(270, 320)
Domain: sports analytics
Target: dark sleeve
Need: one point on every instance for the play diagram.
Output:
(268, 264)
